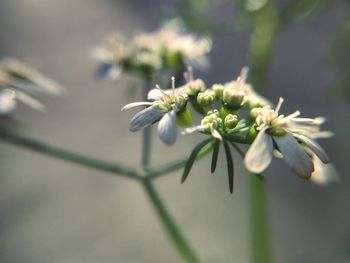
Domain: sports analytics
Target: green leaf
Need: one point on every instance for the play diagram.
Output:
(214, 159)
(192, 158)
(230, 168)
(184, 118)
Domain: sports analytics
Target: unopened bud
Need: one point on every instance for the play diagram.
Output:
(218, 90)
(231, 121)
(195, 86)
(206, 98)
(233, 98)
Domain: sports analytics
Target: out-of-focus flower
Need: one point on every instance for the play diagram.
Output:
(163, 107)
(290, 135)
(19, 82)
(170, 47)
(111, 54)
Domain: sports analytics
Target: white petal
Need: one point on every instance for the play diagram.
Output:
(8, 102)
(215, 134)
(155, 94)
(259, 154)
(30, 101)
(294, 155)
(145, 118)
(136, 104)
(324, 173)
(193, 129)
(167, 128)
(314, 146)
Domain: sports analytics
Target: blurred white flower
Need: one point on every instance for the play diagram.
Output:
(19, 82)
(163, 106)
(287, 132)
(111, 54)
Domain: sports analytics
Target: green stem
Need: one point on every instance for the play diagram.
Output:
(41, 147)
(260, 243)
(264, 34)
(170, 227)
(168, 223)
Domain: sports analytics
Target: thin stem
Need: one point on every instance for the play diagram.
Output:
(260, 243)
(169, 225)
(262, 40)
(41, 147)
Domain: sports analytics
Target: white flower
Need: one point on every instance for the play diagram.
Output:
(209, 124)
(163, 107)
(287, 132)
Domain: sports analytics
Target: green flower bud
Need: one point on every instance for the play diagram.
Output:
(231, 121)
(218, 90)
(233, 98)
(251, 134)
(254, 113)
(173, 60)
(206, 98)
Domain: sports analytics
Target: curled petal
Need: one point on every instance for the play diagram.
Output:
(314, 146)
(259, 154)
(145, 118)
(167, 128)
(155, 94)
(136, 104)
(294, 155)
(324, 173)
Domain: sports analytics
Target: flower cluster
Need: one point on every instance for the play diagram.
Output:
(234, 113)
(170, 47)
(19, 82)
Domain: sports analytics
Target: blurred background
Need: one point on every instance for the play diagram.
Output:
(52, 211)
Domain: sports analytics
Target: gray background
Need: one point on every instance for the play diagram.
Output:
(52, 211)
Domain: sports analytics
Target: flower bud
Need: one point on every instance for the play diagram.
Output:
(195, 86)
(251, 134)
(206, 98)
(254, 113)
(231, 121)
(233, 98)
(218, 90)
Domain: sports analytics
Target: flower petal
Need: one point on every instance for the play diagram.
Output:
(314, 146)
(215, 133)
(7, 102)
(30, 101)
(145, 118)
(136, 104)
(155, 94)
(294, 155)
(259, 154)
(167, 128)
(324, 173)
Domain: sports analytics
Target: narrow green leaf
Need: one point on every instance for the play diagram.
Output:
(230, 168)
(214, 159)
(192, 158)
